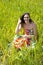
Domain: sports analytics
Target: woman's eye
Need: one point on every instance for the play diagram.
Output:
(26, 17)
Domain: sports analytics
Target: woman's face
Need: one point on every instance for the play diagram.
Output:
(26, 18)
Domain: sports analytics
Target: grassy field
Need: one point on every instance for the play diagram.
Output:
(10, 11)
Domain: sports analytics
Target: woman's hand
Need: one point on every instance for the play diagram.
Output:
(28, 36)
(19, 21)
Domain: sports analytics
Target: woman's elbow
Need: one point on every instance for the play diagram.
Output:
(16, 32)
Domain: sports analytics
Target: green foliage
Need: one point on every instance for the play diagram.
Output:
(10, 11)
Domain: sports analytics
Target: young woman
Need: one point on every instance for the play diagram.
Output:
(29, 27)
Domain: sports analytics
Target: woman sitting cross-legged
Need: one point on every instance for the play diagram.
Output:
(30, 31)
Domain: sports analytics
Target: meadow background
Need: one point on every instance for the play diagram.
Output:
(10, 11)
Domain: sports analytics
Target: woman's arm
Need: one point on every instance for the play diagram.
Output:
(18, 27)
(35, 31)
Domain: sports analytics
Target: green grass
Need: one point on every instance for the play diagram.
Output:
(10, 11)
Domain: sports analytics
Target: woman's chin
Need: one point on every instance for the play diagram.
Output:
(26, 22)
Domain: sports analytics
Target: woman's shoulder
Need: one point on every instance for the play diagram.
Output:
(33, 23)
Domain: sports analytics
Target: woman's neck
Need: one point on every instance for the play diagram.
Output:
(27, 23)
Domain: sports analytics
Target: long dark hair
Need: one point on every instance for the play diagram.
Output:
(22, 19)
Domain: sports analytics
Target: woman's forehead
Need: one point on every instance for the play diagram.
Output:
(26, 15)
